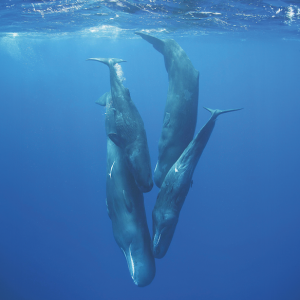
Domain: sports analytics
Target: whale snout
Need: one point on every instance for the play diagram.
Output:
(159, 246)
(145, 188)
(163, 230)
(158, 251)
(141, 265)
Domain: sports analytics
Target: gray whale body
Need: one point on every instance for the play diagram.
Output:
(180, 116)
(125, 127)
(176, 186)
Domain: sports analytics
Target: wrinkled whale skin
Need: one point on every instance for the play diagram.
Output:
(176, 186)
(125, 127)
(180, 115)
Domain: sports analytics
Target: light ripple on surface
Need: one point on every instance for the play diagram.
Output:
(119, 18)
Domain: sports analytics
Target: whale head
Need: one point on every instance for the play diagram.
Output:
(141, 264)
(164, 224)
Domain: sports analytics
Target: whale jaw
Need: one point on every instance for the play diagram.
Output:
(141, 267)
(164, 225)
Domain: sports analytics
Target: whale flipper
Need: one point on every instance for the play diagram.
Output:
(110, 126)
(105, 98)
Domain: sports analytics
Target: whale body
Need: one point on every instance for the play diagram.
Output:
(180, 115)
(176, 186)
(125, 207)
(125, 127)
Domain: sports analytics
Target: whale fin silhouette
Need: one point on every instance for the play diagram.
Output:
(104, 99)
(110, 126)
(114, 137)
(158, 44)
(216, 112)
(108, 61)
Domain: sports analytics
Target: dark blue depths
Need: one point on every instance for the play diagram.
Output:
(238, 233)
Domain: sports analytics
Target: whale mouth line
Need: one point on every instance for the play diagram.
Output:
(111, 169)
(157, 240)
(130, 264)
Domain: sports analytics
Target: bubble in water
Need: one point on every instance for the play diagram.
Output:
(120, 73)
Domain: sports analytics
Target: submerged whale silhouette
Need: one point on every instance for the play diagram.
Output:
(176, 186)
(125, 127)
(125, 207)
(180, 116)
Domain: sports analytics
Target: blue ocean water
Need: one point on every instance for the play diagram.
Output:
(238, 235)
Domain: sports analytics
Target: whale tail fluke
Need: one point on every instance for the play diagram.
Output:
(216, 112)
(158, 44)
(108, 61)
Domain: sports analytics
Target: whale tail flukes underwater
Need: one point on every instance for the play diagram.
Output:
(216, 112)
(108, 61)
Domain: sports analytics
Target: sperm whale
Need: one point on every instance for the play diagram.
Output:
(176, 186)
(125, 127)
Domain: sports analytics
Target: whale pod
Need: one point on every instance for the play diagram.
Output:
(125, 127)
(180, 115)
(175, 188)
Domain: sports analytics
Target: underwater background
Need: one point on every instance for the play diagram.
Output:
(238, 236)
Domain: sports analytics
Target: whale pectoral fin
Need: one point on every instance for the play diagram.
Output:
(115, 138)
(110, 126)
(105, 98)
(127, 201)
